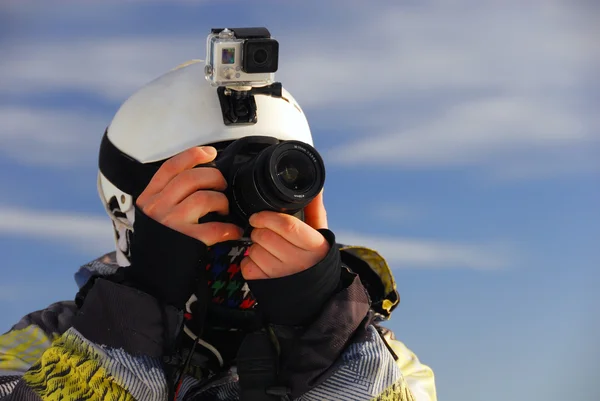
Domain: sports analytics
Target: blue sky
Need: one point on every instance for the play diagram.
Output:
(461, 140)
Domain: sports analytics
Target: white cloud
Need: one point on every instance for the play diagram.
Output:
(399, 48)
(504, 45)
(80, 232)
(39, 136)
(111, 68)
(411, 253)
(473, 133)
(500, 85)
(436, 84)
(94, 234)
(394, 212)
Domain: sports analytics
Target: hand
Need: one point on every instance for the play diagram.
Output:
(285, 245)
(179, 194)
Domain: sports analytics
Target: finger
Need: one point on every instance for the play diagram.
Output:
(198, 205)
(289, 227)
(277, 246)
(250, 271)
(212, 232)
(315, 214)
(190, 181)
(189, 210)
(268, 263)
(175, 165)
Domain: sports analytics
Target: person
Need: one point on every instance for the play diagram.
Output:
(184, 309)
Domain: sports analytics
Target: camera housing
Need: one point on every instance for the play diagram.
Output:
(241, 57)
(264, 173)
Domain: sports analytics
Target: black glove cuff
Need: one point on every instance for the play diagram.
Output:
(164, 263)
(295, 300)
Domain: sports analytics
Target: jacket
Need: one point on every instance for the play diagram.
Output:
(58, 353)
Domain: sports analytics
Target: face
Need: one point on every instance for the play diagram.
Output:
(227, 287)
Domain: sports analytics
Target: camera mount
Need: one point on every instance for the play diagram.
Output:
(239, 106)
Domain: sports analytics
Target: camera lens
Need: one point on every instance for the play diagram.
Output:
(284, 177)
(292, 174)
(260, 56)
(295, 171)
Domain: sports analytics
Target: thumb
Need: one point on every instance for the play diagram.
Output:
(315, 214)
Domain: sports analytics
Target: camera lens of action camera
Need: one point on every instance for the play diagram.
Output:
(296, 171)
(260, 56)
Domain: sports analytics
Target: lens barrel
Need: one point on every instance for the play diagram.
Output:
(285, 177)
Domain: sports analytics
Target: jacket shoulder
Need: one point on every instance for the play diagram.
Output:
(375, 275)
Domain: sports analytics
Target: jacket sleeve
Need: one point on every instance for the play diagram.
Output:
(340, 354)
(376, 366)
(418, 376)
(26, 341)
(73, 366)
(365, 371)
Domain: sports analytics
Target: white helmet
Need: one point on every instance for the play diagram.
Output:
(176, 111)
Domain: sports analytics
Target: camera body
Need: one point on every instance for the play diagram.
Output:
(264, 173)
(246, 57)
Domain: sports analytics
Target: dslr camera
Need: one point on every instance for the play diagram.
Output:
(262, 173)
